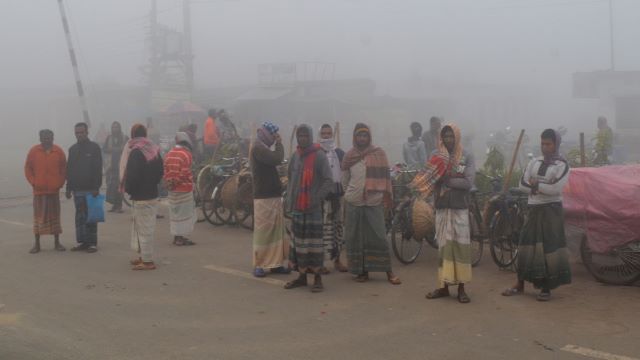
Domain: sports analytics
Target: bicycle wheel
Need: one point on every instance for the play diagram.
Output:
(503, 249)
(208, 205)
(244, 206)
(618, 267)
(477, 241)
(405, 247)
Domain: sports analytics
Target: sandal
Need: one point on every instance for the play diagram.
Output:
(144, 266)
(394, 280)
(259, 272)
(59, 247)
(135, 261)
(339, 267)
(317, 285)
(187, 242)
(512, 291)
(463, 298)
(281, 270)
(544, 296)
(361, 278)
(295, 284)
(437, 293)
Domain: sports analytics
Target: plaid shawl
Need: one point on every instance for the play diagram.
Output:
(378, 178)
(439, 165)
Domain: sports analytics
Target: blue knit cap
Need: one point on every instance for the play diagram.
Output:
(270, 127)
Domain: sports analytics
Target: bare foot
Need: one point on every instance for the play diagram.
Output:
(59, 247)
(34, 250)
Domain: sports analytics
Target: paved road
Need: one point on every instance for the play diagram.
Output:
(201, 303)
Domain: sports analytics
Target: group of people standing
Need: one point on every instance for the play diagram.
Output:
(332, 200)
(134, 167)
(325, 186)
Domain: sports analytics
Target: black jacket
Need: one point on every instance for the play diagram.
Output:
(142, 176)
(264, 162)
(84, 168)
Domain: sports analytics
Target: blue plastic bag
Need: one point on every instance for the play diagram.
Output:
(95, 208)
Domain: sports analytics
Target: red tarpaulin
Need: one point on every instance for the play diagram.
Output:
(605, 202)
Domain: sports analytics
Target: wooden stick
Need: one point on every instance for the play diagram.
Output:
(293, 134)
(583, 156)
(507, 179)
(252, 138)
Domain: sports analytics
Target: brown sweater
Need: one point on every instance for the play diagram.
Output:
(264, 162)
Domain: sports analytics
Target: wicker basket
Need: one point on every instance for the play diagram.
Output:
(423, 219)
(229, 192)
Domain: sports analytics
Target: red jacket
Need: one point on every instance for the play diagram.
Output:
(211, 135)
(177, 170)
(46, 171)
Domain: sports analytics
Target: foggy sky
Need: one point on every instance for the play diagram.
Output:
(490, 41)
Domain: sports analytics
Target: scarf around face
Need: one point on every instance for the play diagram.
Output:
(329, 147)
(439, 165)
(378, 178)
(308, 158)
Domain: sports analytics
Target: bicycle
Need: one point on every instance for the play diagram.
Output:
(507, 215)
(210, 182)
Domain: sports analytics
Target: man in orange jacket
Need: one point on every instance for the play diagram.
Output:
(211, 134)
(45, 169)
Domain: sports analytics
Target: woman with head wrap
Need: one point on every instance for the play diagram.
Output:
(142, 173)
(179, 179)
(270, 250)
(543, 258)
(310, 182)
(367, 184)
(113, 147)
(449, 175)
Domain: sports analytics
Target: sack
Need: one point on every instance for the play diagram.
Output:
(95, 208)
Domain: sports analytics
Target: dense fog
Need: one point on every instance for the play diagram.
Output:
(485, 64)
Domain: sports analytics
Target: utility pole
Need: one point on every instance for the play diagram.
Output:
(188, 51)
(74, 65)
(611, 47)
(154, 60)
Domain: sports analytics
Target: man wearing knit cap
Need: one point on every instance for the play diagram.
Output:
(270, 250)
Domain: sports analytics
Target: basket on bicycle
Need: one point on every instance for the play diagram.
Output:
(423, 219)
(229, 191)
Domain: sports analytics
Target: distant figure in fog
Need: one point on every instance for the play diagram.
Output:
(152, 132)
(84, 178)
(143, 171)
(432, 137)
(45, 170)
(112, 149)
(604, 142)
(211, 134)
(414, 151)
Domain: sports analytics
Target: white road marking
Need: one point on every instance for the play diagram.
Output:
(594, 354)
(242, 274)
(13, 222)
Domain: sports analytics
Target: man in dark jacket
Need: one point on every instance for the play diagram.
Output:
(84, 178)
(143, 172)
(310, 182)
(270, 250)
